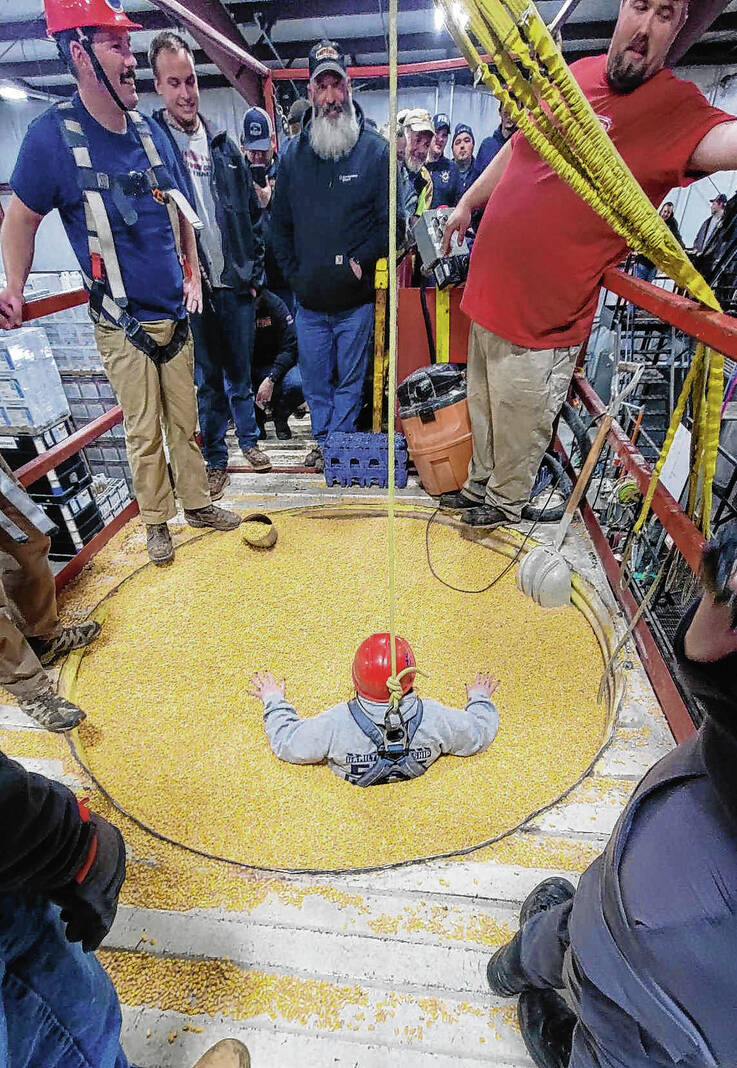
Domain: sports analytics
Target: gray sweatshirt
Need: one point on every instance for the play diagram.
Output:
(333, 737)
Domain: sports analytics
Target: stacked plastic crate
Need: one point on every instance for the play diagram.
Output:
(72, 338)
(34, 416)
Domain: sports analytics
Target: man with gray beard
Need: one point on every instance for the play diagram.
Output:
(330, 224)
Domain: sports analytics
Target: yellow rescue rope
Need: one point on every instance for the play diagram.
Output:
(534, 86)
(394, 682)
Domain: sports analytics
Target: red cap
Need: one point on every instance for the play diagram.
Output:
(73, 14)
(372, 666)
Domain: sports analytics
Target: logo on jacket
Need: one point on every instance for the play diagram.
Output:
(445, 176)
(261, 323)
(347, 177)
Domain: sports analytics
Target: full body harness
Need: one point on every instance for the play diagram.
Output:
(104, 262)
(394, 757)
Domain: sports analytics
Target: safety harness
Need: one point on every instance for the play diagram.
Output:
(393, 744)
(104, 263)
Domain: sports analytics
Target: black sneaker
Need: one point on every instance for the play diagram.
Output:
(546, 895)
(52, 711)
(485, 515)
(457, 501)
(547, 1026)
(50, 649)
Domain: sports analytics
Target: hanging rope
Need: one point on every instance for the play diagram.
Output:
(534, 86)
(394, 684)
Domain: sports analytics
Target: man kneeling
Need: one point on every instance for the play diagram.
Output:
(367, 740)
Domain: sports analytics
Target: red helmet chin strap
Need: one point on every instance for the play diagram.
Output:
(100, 74)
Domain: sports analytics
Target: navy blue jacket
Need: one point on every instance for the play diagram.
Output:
(237, 210)
(653, 926)
(489, 147)
(275, 343)
(466, 180)
(446, 182)
(327, 211)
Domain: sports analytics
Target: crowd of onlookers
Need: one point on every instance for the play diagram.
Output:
(286, 326)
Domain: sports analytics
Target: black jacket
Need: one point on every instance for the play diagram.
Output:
(446, 182)
(275, 343)
(236, 208)
(326, 212)
(44, 839)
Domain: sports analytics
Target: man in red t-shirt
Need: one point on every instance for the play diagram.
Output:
(540, 251)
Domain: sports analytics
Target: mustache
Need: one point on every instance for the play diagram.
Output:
(129, 76)
(639, 43)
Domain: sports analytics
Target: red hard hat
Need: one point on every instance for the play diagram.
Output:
(372, 666)
(73, 14)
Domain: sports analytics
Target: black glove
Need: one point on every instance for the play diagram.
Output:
(720, 561)
(88, 907)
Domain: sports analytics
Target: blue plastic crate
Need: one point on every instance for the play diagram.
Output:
(362, 460)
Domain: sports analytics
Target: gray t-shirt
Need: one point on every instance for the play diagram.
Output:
(196, 155)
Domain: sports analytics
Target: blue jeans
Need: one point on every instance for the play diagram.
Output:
(58, 1008)
(223, 350)
(333, 355)
(643, 271)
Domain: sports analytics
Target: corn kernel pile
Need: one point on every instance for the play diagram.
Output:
(175, 738)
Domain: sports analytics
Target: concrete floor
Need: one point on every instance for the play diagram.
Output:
(391, 965)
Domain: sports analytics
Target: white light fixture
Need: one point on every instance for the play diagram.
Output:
(439, 18)
(13, 92)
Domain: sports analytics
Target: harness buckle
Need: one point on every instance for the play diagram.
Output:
(396, 738)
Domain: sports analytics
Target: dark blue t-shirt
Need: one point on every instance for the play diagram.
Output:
(446, 182)
(45, 177)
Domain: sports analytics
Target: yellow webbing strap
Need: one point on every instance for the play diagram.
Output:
(534, 86)
(442, 325)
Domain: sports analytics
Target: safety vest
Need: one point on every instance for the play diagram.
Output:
(394, 760)
(104, 263)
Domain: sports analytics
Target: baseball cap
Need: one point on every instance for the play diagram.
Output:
(418, 120)
(720, 198)
(441, 120)
(461, 128)
(326, 55)
(257, 131)
(297, 110)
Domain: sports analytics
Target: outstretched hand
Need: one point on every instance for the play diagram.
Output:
(263, 684)
(713, 631)
(483, 681)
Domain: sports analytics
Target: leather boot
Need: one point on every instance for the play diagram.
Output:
(547, 1025)
(226, 1054)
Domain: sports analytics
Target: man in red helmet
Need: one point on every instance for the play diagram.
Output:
(372, 739)
(117, 187)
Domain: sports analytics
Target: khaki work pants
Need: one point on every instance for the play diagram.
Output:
(514, 395)
(27, 604)
(153, 397)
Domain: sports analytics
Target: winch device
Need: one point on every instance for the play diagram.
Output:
(428, 233)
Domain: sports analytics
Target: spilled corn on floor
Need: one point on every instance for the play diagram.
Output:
(174, 737)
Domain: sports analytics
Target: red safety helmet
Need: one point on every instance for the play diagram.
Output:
(73, 14)
(372, 666)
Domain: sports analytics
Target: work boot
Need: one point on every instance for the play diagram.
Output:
(282, 428)
(226, 1054)
(547, 1026)
(504, 971)
(50, 649)
(217, 479)
(485, 515)
(158, 543)
(546, 895)
(256, 459)
(51, 711)
(457, 501)
(315, 459)
(217, 518)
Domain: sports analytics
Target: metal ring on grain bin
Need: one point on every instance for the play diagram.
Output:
(267, 540)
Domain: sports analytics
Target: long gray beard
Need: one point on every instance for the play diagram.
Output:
(413, 165)
(334, 138)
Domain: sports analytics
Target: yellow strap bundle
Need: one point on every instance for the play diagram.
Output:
(533, 84)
